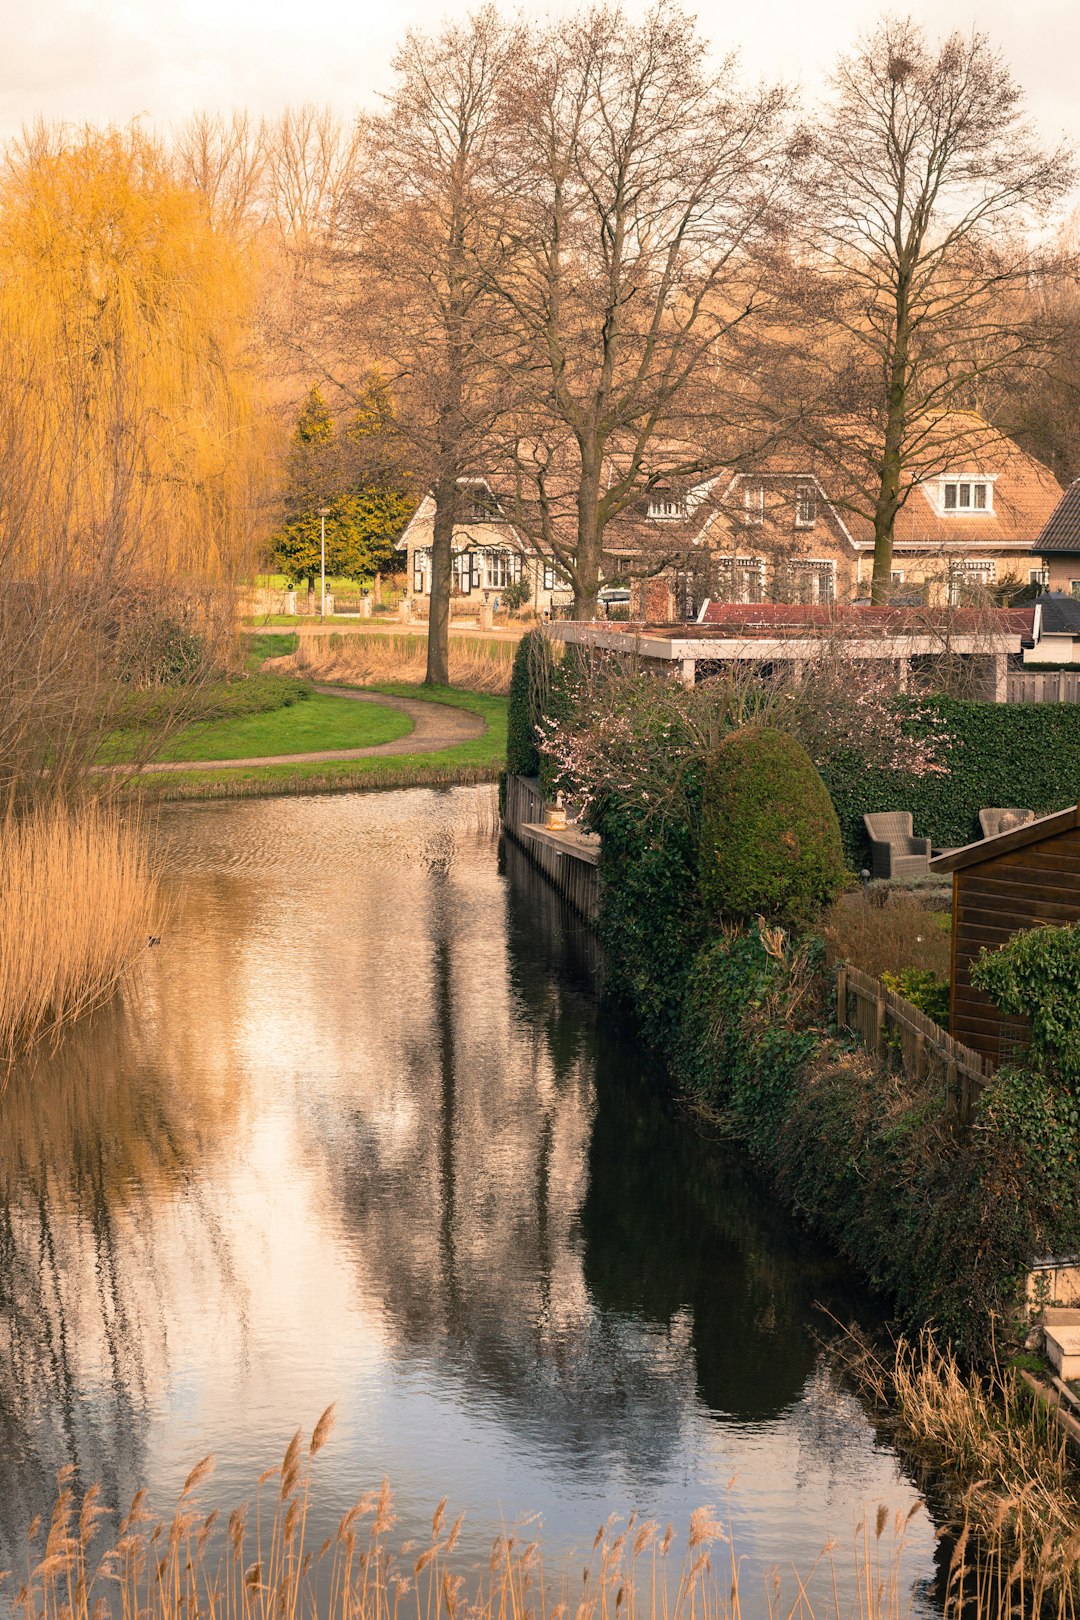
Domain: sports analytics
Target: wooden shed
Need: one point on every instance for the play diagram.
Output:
(1021, 878)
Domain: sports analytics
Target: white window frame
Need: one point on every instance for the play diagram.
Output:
(665, 507)
(754, 503)
(820, 569)
(548, 577)
(463, 572)
(744, 575)
(896, 576)
(969, 482)
(980, 570)
(1039, 576)
(805, 492)
(421, 570)
(498, 570)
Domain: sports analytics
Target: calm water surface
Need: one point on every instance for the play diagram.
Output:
(361, 1134)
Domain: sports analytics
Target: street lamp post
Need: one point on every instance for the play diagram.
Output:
(324, 512)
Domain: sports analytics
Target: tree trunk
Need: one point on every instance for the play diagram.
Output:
(888, 499)
(590, 540)
(442, 566)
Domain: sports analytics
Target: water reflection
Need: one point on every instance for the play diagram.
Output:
(362, 1136)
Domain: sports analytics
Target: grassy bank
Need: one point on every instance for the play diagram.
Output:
(478, 759)
(80, 901)
(318, 722)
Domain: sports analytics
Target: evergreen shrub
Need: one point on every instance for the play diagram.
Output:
(770, 840)
(530, 678)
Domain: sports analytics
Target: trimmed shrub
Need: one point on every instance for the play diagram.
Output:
(770, 840)
(1023, 754)
(530, 680)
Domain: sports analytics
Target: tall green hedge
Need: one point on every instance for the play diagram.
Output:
(530, 674)
(1010, 754)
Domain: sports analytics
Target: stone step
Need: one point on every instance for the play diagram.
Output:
(1063, 1348)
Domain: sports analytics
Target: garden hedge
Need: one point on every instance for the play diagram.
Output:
(533, 658)
(1009, 754)
(770, 841)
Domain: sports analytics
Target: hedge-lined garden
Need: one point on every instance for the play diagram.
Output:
(713, 945)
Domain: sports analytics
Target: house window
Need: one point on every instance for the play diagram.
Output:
(897, 576)
(463, 572)
(754, 503)
(740, 579)
(1039, 577)
(664, 505)
(813, 581)
(805, 506)
(549, 576)
(421, 563)
(497, 570)
(968, 579)
(1074, 589)
(966, 495)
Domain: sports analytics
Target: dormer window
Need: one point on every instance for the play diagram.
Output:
(666, 506)
(805, 506)
(967, 495)
(476, 503)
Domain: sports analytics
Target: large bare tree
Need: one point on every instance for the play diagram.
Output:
(647, 188)
(927, 194)
(429, 226)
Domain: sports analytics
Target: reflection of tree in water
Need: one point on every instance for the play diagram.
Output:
(91, 1141)
(538, 1217)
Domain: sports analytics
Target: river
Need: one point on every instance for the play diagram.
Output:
(361, 1133)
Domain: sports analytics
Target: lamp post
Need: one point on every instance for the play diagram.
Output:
(324, 512)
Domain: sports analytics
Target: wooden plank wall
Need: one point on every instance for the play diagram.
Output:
(1038, 883)
(1049, 686)
(577, 881)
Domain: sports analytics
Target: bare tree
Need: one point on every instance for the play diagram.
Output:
(648, 186)
(926, 188)
(430, 226)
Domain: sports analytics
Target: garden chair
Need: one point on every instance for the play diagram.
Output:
(993, 822)
(894, 850)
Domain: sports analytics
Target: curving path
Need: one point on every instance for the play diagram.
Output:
(435, 726)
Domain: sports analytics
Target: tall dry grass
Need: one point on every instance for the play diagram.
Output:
(80, 897)
(256, 1564)
(999, 1460)
(476, 663)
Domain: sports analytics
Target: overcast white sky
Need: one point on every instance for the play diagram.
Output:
(113, 60)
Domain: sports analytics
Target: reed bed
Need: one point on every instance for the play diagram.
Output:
(257, 1564)
(999, 1462)
(477, 664)
(80, 898)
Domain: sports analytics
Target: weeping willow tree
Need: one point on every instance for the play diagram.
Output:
(131, 437)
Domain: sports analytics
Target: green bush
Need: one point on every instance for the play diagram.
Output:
(1023, 754)
(530, 680)
(1036, 975)
(770, 841)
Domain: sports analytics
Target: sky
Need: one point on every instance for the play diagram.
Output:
(109, 61)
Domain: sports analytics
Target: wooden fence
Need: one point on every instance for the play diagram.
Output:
(886, 1022)
(1051, 686)
(576, 880)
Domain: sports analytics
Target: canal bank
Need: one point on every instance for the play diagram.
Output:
(362, 1135)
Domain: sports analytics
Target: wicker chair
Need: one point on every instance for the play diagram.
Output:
(993, 822)
(895, 851)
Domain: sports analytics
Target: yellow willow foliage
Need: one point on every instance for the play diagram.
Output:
(131, 429)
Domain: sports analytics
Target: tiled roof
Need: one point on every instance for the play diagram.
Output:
(1060, 615)
(1062, 531)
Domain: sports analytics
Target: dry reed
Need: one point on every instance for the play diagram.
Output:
(256, 1564)
(476, 664)
(80, 900)
(1001, 1462)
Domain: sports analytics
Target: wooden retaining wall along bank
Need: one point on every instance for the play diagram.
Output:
(567, 860)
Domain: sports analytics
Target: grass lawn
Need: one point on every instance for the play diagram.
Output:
(317, 723)
(478, 760)
(257, 648)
